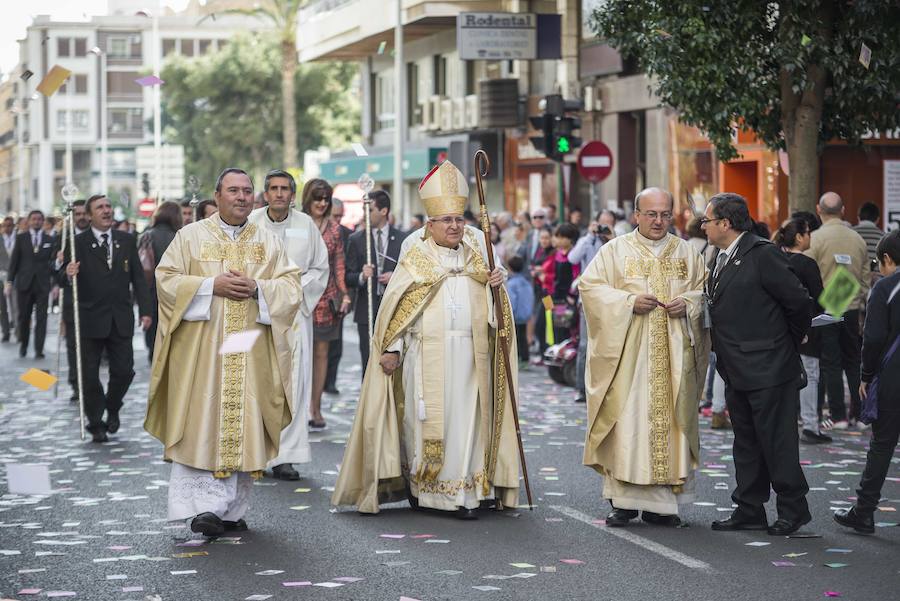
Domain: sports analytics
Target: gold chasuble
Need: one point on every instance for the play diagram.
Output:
(442, 423)
(222, 413)
(644, 372)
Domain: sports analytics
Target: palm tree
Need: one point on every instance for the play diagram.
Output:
(283, 15)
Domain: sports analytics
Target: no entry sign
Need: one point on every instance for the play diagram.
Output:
(595, 161)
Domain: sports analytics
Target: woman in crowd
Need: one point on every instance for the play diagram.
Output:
(335, 302)
(793, 238)
(538, 321)
(206, 208)
(165, 222)
(564, 274)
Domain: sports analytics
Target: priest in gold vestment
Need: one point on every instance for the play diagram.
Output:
(220, 416)
(647, 357)
(434, 422)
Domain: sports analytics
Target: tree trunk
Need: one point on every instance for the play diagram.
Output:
(289, 123)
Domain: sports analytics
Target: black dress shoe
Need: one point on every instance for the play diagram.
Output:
(863, 523)
(331, 390)
(620, 517)
(783, 527)
(74, 397)
(658, 519)
(413, 500)
(99, 435)
(208, 524)
(238, 526)
(463, 513)
(39, 355)
(112, 421)
(23, 351)
(810, 437)
(285, 471)
(739, 523)
(316, 425)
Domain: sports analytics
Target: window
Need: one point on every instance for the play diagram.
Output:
(62, 47)
(168, 46)
(123, 84)
(413, 109)
(81, 85)
(205, 46)
(470, 78)
(59, 160)
(79, 120)
(80, 46)
(187, 47)
(126, 121)
(119, 47)
(439, 69)
(384, 99)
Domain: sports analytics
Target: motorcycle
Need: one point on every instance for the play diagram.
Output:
(561, 360)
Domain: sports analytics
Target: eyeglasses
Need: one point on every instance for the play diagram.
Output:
(653, 215)
(704, 220)
(538, 217)
(448, 221)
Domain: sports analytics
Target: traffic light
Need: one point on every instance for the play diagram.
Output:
(145, 184)
(558, 128)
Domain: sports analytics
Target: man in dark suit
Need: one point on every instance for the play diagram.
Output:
(108, 270)
(29, 274)
(386, 241)
(760, 313)
(82, 223)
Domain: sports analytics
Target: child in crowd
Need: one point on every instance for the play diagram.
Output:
(521, 297)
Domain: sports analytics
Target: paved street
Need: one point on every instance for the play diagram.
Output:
(103, 534)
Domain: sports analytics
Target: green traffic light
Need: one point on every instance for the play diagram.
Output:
(563, 146)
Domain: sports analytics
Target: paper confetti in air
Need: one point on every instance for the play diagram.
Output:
(149, 80)
(865, 55)
(239, 342)
(54, 79)
(38, 378)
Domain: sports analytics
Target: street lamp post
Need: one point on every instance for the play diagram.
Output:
(157, 101)
(101, 55)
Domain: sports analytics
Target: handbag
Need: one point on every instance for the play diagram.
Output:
(869, 411)
(563, 315)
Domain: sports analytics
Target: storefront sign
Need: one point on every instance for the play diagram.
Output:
(891, 195)
(497, 36)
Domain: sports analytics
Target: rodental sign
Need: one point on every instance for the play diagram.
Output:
(497, 36)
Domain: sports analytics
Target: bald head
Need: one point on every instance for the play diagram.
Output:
(654, 192)
(830, 205)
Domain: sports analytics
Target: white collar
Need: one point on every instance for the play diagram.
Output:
(97, 233)
(733, 246)
(648, 242)
(233, 231)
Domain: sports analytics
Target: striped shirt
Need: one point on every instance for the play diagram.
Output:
(872, 234)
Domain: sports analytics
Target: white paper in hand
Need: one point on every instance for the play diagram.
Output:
(825, 320)
(28, 479)
(239, 342)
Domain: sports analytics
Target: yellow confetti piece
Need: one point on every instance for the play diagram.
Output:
(55, 78)
(521, 565)
(39, 379)
(300, 507)
(190, 554)
(302, 489)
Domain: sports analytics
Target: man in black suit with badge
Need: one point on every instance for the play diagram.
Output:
(386, 241)
(108, 270)
(760, 313)
(29, 275)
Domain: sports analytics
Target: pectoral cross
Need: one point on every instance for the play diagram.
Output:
(454, 308)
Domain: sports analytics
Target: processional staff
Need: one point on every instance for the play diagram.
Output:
(482, 168)
(69, 194)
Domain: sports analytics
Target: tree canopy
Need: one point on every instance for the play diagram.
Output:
(226, 107)
(788, 71)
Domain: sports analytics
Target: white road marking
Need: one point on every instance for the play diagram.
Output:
(640, 541)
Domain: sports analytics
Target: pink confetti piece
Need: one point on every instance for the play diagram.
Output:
(422, 536)
(54, 594)
(573, 562)
(118, 548)
(832, 594)
(783, 564)
(408, 599)
(30, 591)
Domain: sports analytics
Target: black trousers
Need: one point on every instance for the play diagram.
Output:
(335, 350)
(33, 300)
(70, 354)
(121, 373)
(522, 341)
(4, 312)
(766, 451)
(885, 433)
(150, 333)
(363, 329)
(841, 354)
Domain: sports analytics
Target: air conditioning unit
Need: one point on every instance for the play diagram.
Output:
(471, 102)
(459, 113)
(434, 113)
(446, 113)
(426, 117)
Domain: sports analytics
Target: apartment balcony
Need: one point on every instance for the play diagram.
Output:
(354, 29)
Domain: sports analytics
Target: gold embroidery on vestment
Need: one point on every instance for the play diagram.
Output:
(452, 487)
(658, 271)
